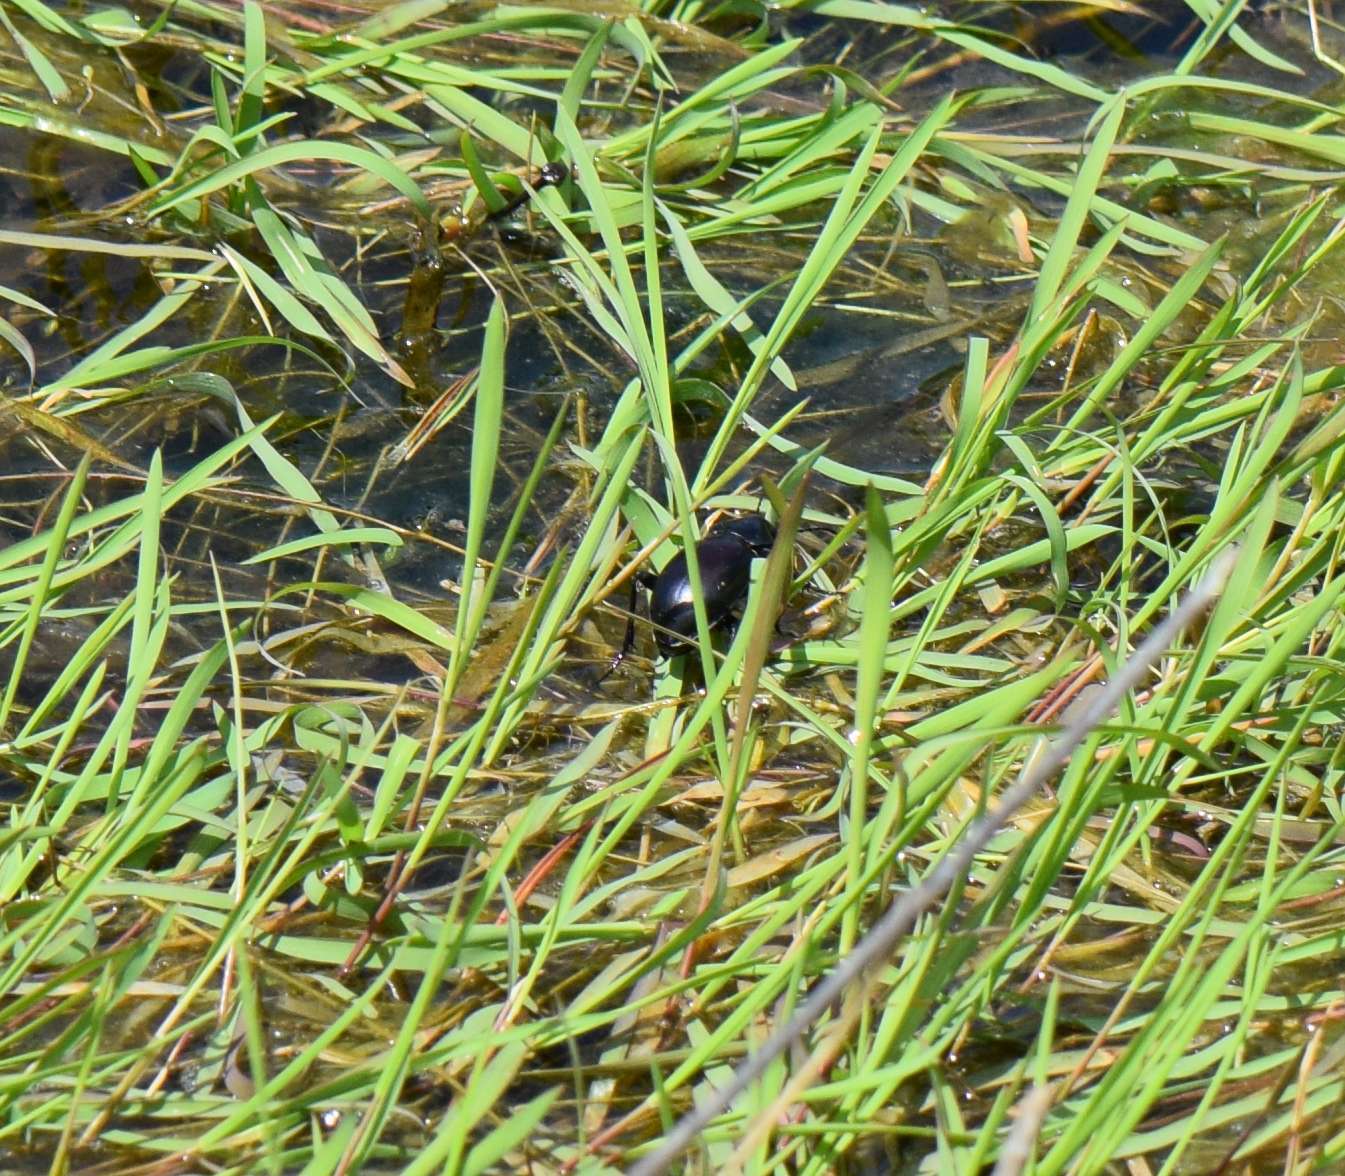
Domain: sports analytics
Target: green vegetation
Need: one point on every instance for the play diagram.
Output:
(309, 865)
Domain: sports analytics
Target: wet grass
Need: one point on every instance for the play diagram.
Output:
(332, 844)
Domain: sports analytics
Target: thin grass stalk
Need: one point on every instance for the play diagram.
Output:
(874, 628)
(42, 586)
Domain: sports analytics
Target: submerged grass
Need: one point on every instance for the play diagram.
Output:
(306, 871)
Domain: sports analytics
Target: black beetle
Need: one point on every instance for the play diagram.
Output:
(547, 175)
(724, 560)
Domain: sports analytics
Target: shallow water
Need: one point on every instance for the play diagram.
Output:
(879, 360)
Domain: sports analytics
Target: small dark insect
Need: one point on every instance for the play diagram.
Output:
(547, 175)
(724, 560)
(552, 173)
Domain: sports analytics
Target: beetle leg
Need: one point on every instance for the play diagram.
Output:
(629, 642)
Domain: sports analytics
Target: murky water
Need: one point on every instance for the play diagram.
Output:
(878, 360)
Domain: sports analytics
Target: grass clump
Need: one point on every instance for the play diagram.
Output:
(330, 844)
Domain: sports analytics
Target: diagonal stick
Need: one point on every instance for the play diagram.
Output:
(904, 911)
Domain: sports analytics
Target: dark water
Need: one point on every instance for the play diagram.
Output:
(877, 359)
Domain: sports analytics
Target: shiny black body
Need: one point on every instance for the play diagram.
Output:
(548, 174)
(724, 559)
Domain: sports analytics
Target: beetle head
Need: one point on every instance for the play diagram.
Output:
(753, 530)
